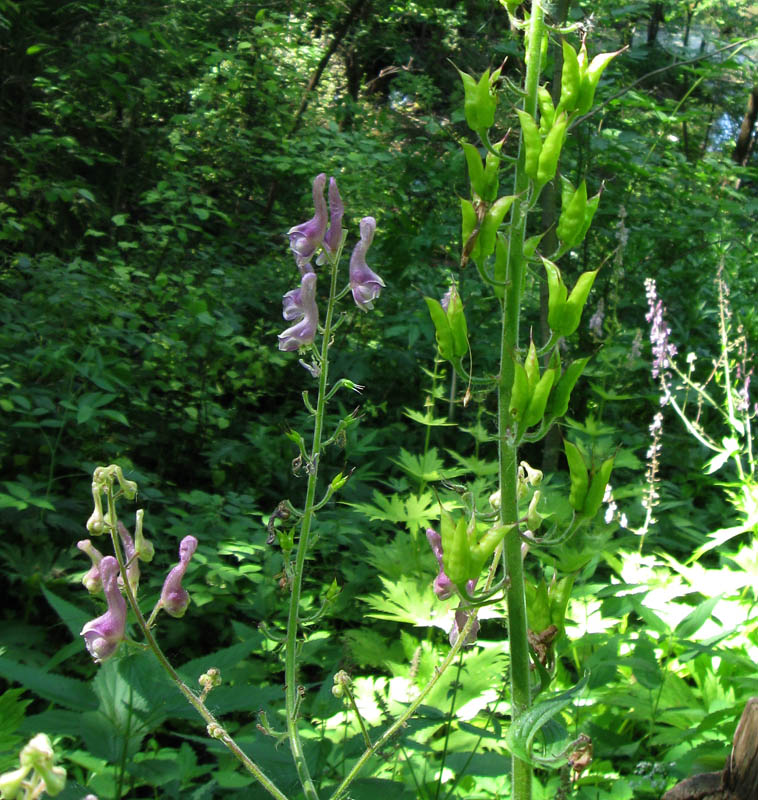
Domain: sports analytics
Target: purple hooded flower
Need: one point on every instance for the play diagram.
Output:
(104, 634)
(300, 303)
(91, 579)
(333, 236)
(174, 598)
(306, 237)
(365, 283)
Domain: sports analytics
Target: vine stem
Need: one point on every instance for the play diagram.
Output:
(521, 771)
(290, 661)
(214, 727)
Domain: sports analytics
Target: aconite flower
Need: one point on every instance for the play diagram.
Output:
(333, 236)
(103, 635)
(307, 237)
(300, 304)
(174, 597)
(366, 285)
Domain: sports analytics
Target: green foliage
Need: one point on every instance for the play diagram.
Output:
(154, 157)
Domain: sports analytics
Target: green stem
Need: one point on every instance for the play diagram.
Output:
(215, 729)
(521, 788)
(290, 662)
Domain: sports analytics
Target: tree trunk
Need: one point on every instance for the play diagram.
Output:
(745, 139)
(739, 778)
(656, 17)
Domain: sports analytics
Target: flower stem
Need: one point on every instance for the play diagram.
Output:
(215, 729)
(290, 661)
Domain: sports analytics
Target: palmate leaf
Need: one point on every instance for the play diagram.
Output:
(410, 601)
(427, 467)
(523, 730)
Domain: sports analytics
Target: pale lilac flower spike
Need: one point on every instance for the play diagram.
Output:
(365, 283)
(306, 238)
(103, 635)
(300, 304)
(174, 598)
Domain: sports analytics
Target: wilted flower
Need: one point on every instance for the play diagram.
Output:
(174, 598)
(365, 284)
(300, 304)
(92, 580)
(333, 236)
(306, 238)
(104, 634)
(461, 618)
(445, 588)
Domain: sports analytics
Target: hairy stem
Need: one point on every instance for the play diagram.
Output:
(507, 443)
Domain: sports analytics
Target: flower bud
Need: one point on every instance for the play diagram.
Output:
(91, 579)
(144, 548)
(11, 782)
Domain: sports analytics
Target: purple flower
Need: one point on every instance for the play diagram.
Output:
(443, 586)
(333, 236)
(103, 635)
(306, 238)
(365, 283)
(300, 304)
(664, 351)
(92, 580)
(174, 598)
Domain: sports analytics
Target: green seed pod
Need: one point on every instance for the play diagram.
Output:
(589, 214)
(491, 168)
(479, 100)
(532, 366)
(475, 168)
(570, 79)
(493, 218)
(557, 294)
(551, 149)
(573, 215)
(596, 492)
(538, 399)
(590, 79)
(455, 549)
(559, 399)
(532, 143)
(572, 312)
(580, 478)
(547, 109)
(485, 547)
(519, 393)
